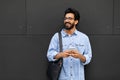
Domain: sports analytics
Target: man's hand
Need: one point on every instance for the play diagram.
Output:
(76, 54)
(73, 53)
(63, 54)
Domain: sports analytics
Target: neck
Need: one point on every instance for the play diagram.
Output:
(71, 31)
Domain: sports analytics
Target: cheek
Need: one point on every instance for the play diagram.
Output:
(73, 23)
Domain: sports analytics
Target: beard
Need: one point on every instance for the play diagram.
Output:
(68, 26)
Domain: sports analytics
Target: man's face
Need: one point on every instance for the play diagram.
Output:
(69, 21)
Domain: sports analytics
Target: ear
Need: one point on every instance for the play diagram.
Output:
(76, 22)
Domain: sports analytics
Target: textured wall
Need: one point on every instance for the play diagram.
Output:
(26, 27)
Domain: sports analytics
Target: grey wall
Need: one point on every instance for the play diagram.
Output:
(26, 27)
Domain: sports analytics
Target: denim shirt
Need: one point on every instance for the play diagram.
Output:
(73, 68)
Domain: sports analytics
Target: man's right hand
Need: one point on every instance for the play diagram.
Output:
(63, 54)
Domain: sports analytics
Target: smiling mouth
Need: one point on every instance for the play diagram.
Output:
(67, 24)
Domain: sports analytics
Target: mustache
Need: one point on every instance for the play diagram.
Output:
(67, 22)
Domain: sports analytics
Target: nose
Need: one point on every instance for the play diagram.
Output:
(67, 20)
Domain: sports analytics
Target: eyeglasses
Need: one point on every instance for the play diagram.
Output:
(69, 18)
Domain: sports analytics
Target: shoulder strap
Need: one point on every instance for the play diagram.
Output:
(61, 48)
(60, 41)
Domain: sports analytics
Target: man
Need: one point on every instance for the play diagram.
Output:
(76, 48)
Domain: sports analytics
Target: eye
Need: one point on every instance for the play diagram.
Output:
(69, 18)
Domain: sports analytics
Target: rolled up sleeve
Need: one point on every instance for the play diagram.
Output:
(88, 52)
(53, 48)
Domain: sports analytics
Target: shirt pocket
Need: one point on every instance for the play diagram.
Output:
(80, 47)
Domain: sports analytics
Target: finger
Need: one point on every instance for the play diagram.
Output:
(67, 51)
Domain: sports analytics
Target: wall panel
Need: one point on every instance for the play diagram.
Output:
(45, 17)
(12, 17)
(116, 28)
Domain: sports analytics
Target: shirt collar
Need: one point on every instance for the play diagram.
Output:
(64, 34)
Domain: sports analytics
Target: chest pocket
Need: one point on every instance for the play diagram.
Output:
(80, 47)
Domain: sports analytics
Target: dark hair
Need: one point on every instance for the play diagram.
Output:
(75, 12)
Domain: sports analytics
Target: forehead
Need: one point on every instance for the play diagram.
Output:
(69, 15)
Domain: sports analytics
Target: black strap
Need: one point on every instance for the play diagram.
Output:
(60, 41)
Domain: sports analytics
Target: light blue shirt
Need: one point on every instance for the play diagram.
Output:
(73, 68)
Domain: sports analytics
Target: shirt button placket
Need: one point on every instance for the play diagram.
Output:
(71, 78)
(71, 70)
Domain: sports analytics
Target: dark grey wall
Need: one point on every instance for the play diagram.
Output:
(26, 27)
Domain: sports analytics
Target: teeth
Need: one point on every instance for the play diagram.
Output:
(68, 23)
